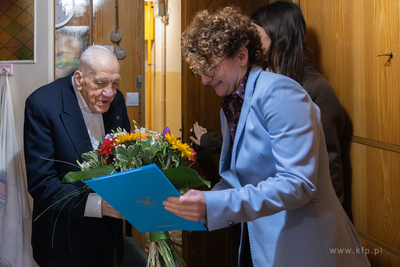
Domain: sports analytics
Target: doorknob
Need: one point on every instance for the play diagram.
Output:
(386, 55)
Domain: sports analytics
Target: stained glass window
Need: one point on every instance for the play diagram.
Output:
(16, 30)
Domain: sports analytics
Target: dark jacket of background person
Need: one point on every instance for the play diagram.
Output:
(55, 136)
(332, 118)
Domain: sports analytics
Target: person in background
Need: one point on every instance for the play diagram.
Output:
(206, 139)
(63, 120)
(274, 166)
(283, 29)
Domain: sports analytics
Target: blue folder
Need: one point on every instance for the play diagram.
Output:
(138, 194)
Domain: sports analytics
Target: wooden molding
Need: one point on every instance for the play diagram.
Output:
(372, 143)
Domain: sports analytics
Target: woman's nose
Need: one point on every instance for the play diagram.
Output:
(205, 79)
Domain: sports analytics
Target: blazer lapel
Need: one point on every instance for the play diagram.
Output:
(225, 159)
(110, 119)
(73, 120)
(250, 86)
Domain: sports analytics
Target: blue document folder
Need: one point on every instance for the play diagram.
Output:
(138, 194)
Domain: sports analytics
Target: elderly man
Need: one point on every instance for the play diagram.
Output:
(63, 120)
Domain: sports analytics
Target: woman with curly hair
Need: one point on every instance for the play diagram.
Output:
(283, 29)
(274, 166)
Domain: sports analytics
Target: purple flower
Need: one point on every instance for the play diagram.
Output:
(166, 130)
(134, 131)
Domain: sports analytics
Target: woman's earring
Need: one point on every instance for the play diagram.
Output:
(242, 65)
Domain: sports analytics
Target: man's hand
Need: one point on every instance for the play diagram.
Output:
(107, 210)
(191, 206)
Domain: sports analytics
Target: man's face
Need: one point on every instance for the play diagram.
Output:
(99, 87)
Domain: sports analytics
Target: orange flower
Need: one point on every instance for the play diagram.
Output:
(144, 135)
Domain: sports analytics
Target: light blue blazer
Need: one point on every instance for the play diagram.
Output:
(278, 181)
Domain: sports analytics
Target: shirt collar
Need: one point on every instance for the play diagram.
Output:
(81, 101)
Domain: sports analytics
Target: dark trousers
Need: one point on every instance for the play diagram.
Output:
(246, 253)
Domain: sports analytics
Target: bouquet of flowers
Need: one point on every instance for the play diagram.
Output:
(123, 151)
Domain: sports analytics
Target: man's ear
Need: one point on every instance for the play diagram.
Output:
(78, 80)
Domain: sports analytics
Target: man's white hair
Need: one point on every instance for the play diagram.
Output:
(86, 63)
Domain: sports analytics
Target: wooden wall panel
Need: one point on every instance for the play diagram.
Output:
(376, 200)
(131, 26)
(347, 36)
(379, 257)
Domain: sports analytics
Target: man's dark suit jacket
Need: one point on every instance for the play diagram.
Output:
(55, 136)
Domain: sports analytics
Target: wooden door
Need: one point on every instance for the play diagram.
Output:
(201, 104)
(350, 39)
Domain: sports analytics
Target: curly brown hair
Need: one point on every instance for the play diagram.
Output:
(220, 34)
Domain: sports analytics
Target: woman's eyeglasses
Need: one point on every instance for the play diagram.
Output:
(209, 71)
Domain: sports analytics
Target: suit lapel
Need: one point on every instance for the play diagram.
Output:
(225, 150)
(73, 120)
(250, 86)
(111, 119)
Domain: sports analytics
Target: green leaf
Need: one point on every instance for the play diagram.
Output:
(149, 153)
(158, 236)
(137, 148)
(146, 159)
(161, 162)
(87, 174)
(185, 178)
(146, 142)
(131, 152)
(122, 151)
(92, 159)
(137, 162)
(174, 157)
(156, 147)
(91, 155)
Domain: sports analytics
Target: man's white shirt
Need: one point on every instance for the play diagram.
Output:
(95, 127)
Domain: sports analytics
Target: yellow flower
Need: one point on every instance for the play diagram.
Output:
(121, 139)
(186, 150)
(170, 139)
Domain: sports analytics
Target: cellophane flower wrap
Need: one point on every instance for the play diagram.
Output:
(123, 151)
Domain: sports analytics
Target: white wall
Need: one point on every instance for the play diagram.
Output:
(173, 34)
(29, 76)
(26, 78)
(172, 63)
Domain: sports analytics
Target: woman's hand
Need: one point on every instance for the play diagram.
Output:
(198, 132)
(191, 206)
